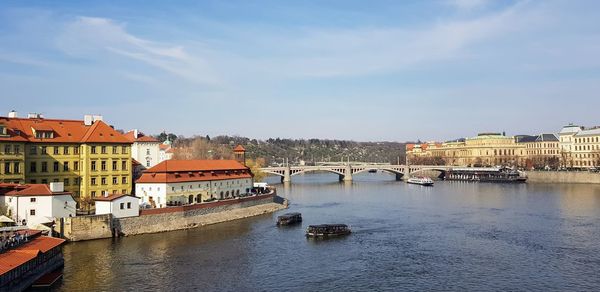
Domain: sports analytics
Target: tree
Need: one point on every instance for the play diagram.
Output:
(255, 166)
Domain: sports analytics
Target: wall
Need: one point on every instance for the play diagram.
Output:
(563, 177)
(184, 217)
(87, 227)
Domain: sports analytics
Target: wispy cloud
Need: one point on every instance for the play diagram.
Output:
(91, 37)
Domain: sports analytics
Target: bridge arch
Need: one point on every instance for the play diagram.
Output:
(441, 171)
(339, 172)
(399, 173)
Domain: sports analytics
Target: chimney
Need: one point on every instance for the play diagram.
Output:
(34, 116)
(12, 114)
(97, 118)
(87, 120)
(135, 133)
(57, 187)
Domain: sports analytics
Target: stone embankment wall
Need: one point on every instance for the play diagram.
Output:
(86, 227)
(190, 216)
(584, 177)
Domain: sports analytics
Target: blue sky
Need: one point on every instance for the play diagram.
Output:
(361, 70)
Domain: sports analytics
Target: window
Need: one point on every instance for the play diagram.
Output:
(124, 149)
(123, 191)
(147, 151)
(32, 200)
(32, 212)
(66, 150)
(44, 166)
(93, 149)
(76, 150)
(103, 165)
(103, 180)
(56, 168)
(128, 205)
(17, 167)
(7, 167)
(18, 149)
(103, 149)
(56, 150)
(114, 165)
(33, 167)
(115, 149)
(148, 163)
(115, 180)
(124, 180)
(66, 166)
(124, 165)
(44, 150)
(93, 194)
(122, 206)
(93, 165)
(76, 165)
(76, 181)
(44, 181)
(7, 149)
(93, 182)
(66, 181)
(32, 149)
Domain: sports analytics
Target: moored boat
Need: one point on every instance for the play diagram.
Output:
(486, 174)
(424, 181)
(289, 218)
(327, 230)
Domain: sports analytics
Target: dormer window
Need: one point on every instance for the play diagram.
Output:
(3, 131)
(44, 134)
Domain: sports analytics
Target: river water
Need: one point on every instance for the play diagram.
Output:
(454, 236)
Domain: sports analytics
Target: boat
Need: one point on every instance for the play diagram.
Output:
(327, 230)
(289, 219)
(486, 174)
(420, 180)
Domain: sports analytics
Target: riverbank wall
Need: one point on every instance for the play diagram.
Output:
(566, 177)
(171, 218)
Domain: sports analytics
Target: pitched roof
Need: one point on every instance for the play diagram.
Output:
(20, 255)
(239, 148)
(194, 170)
(140, 138)
(65, 131)
(28, 190)
(196, 165)
(590, 132)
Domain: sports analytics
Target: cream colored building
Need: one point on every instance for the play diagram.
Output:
(541, 151)
(580, 147)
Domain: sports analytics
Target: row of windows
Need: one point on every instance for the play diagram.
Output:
(104, 149)
(587, 163)
(206, 185)
(103, 165)
(114, 192)
(587, 147)
(56, 166)
(542, 145)
(66, 181)
(587, 140)
(56, 150)
(543, 152)
(104, 180)
(12, 149)
(587, 155)
(12, 168)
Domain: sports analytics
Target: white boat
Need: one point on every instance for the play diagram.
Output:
(424, 181)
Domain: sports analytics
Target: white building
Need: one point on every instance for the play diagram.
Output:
(179, 182)
(119, 205)
(36, 203)
(165, 151)
(145, 149)
(580, 147)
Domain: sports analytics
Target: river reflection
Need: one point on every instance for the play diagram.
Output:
(454, 236)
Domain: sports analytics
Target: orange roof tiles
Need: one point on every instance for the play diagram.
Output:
(65, 131)
(141, 137)
(112, 197)
(28, 190)
(239, 148)
(20, 255)
(194, 170)
(196, 165)
(42, 243)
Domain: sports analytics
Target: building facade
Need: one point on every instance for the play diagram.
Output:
(120, 205)
(144, 149)
(88, 156)
(35, 204)
(178, 182)
(580, 147)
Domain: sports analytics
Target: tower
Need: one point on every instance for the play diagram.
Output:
(240, 154)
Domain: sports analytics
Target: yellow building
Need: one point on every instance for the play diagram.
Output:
(541, 151)
(580, 147)
(88, 156)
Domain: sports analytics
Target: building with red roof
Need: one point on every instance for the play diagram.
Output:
(88, 156)
(144, 149)
(177, 182)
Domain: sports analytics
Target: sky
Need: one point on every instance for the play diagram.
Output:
(360, 70)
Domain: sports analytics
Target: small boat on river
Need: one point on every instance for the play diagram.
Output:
(424, 181)
(289, 219)
(327, 230)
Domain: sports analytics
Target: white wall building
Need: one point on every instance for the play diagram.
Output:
(580, 147)
(165, 151)
(119, 206)
(36, 203)
(145, 149)
(178, 182)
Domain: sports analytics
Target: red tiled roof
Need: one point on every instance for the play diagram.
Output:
(194, 170)
(28, 190)
(164, 146)
(239, 148)
(20, 255)
(42, 243)
(112, 197)
(141, 137)
(65, 131)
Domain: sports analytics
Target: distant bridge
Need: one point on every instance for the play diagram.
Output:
(345, 171)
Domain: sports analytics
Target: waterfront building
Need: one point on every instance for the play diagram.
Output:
(88, 156)
(119, 205)
(27, 257)
(541, 151)
(177, 182)
(144, 149)
(35, 204)
(580, 146)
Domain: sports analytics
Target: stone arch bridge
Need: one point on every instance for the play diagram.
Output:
(345, 171)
